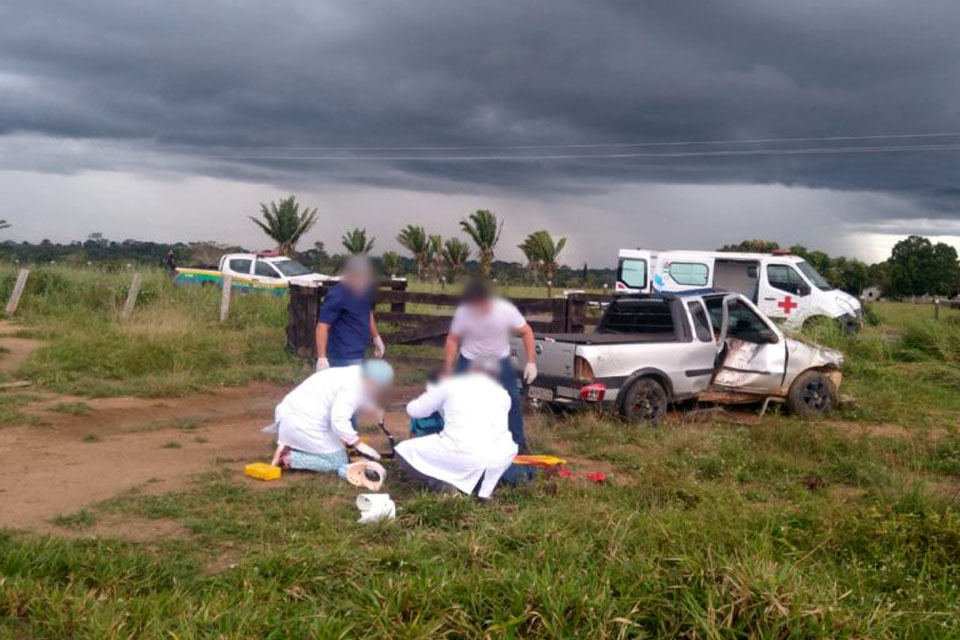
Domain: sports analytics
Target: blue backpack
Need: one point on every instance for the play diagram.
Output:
(426, 426)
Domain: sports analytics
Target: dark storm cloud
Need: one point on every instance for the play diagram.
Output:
(210, 83)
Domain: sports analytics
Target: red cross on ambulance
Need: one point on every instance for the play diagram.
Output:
(787, 304)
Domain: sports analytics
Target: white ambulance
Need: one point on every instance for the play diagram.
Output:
(784, 286)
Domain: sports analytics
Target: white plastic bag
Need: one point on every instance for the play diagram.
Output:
(375, 507)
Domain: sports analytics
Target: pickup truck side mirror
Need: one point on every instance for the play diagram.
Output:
(768, 336)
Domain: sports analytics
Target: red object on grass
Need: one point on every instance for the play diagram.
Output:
(598, 476)
(564, 472)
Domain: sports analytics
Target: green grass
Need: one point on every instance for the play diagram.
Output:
(77, 520)
(72, 408)
(783, 529)
(904, 370)
(10, 405)
(173, 344)
(776, 528)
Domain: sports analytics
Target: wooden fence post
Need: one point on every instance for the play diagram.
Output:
(132, 296)
(302, 324)
(18, 287)
(559, 311)
(576, 313)
(225, 290)
(398, 285)
(936, 309)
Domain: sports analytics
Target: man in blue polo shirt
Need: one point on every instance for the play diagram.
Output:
(345, 322)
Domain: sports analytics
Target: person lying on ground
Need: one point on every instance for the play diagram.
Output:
(315, 421)
(475, 446)
(345, 321)
(481, 328)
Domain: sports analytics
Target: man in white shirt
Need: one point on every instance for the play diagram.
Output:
(481, 328)
(475, 446)
(315, 421)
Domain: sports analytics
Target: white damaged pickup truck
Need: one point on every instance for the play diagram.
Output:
(653, 350)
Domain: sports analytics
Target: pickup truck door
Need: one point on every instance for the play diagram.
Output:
(752, 352)
(699, 359)
(237, 267)
(265, 272)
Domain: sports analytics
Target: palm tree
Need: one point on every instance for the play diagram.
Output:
(4, 224)
(355, 241)
(391, 263)
(530, 251)
(436, 254)
(545, 250)
(285, 223)
(414, 239)
(455, 255)
(484, 229)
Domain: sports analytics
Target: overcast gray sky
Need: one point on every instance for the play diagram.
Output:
(172, 120)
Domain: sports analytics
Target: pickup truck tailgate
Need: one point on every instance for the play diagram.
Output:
(554, 359)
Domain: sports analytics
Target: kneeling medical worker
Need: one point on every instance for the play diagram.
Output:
(475, 446)
(314, 421)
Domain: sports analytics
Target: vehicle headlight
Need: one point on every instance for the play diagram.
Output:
(845, 304)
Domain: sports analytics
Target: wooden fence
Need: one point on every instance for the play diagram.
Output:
(545, 315)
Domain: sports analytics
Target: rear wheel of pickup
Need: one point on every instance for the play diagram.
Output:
(646, 401)
(811, 395)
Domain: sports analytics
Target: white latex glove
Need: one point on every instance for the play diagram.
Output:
(322, 363)
(529, 372)
(367, 450)
(378, 347)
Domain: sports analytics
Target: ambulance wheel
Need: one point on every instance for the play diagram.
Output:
(645, 401)
(812, 395)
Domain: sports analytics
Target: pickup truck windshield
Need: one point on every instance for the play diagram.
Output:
(818, 280)
(291, 268)
(628, 315)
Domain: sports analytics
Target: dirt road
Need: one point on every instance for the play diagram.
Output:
(78, 451)
(126, 443)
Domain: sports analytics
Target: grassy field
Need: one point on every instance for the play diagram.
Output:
(729, 528)
(172, 344)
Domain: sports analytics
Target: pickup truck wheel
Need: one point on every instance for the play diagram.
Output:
(646, 401)
(811, 395)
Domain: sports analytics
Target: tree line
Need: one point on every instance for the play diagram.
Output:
(434, 257)
(916, 266)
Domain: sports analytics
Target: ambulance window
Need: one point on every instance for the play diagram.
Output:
(633, 273)
(786, 278)
(701, 324)
(240, 265)
(689, 273)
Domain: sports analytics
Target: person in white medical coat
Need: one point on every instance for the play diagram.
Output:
(475, 446)
(314, 422)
